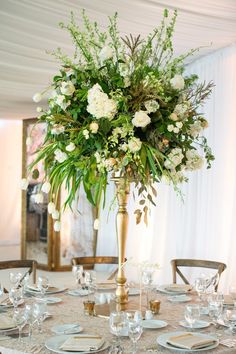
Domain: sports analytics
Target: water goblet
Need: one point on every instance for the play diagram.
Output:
(192, 314)
(215, 309)
(15, 296)
(135, 330)
(229, 317)
(147, 280)
(43, 284)
(20, 321)
(30, 319)
(77, 271)
(15, 278)
(200, 286)
(118, 322)
(39, 313)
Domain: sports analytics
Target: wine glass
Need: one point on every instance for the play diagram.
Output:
(39, 312)
(135, 329)
(77, 271)
(90, 280)
(15, 278)
(43, 284)
(20, 321)
(215, 309)
(192, 314)
(200, 286)
(147, 280)
(118, 322)
(15, 296)
(229, 317)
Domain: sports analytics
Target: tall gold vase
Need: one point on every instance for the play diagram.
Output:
(122, 218)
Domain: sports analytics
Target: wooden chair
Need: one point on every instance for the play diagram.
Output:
(176, 263)
(89, 262)
(31, 264)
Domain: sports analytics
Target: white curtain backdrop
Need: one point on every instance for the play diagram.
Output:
(204, 225)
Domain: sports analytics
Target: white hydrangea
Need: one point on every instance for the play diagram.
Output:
(57, 129)
(177, 82)
(194, 160)
(141, 119)
(67, 88)
(151, 106)
(60, 156)
(70, 147)
(174, 158)
(46, 187)
(99, 104)
(106, 53)
(134, 144)
(195, 128)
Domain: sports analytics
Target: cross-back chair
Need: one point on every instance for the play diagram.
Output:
(31, 264)
(89, 262)
(198, 263)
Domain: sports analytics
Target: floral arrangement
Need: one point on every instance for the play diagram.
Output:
(120, 105)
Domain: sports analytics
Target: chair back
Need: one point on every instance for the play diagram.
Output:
(176, 263)
(31, 264)
(89, 262)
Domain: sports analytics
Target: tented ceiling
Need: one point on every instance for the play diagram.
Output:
(29, 28)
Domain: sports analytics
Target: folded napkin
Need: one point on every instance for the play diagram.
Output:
(82, 343)
(190, 341)
(5, 300)
(228, 300)
(6, 322)
(177, 288)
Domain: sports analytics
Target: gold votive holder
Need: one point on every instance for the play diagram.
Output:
(154, 306)
(89, 308)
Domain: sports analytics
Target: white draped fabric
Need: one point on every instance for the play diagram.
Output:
(28, 28)
(204, 225)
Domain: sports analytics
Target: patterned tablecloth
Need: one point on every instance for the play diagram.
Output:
(70, 310)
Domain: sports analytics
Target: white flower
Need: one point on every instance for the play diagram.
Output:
(99, 104)
(174, 158)
(141, 119)
(96, 224)
(37, 97)
(60, 156)
(61, 102)
(127, 81)
(51, 207)
(57, 226)
(195, 128)
(98, 157)
(46, 187)
(176, 130)
(57, 129)
(93, 127)
(39, 109)
(194, 160)
(24, 184)
(86, 134)
(170, 127)
(177, 82)
(179, 125)
(67, 88)
(69, 72)
(55, 214)
(70, 147)
(173, 116)
(38, 198)
(106, 53)
(134, 144)
(181, 109)
(109, 163)
(29, 141)
(151, 106)
(124, 147)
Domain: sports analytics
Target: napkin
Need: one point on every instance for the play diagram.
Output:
(5, 300)
(35, 288)
(84, 343)
(6, 322)
(178, 288)
(190, 341)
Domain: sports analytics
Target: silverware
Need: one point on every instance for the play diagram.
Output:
(228, 342)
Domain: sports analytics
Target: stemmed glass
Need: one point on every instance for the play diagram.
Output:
(215, 308)
(39, 312)
(147, 279)
(90, 281)
(43, 284)
(29, 318)
(77, 271)
(15, 279)
(20, 320)
(118, 321)
(200, 286)
(135, 330)
(15, 296)
(192, 314)
(229, 317)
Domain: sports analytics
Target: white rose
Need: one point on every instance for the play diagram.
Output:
(141, 119)
(38, 198)
(24, 184)
(60, 156)
(94, 127)
(70, 147)
(55, 214)
(57, 226)
(176, 130)
(181, 108)
(151, 106)
(106, 53)
(57, 129)
(61, 102)
(177, 82)
(194, 160)
(179, 125)
(134, 144)
(67, 88)
(51, 207)
(170, 128)
(173, 116)
(46, 187)
(37, 97)
(29, 141)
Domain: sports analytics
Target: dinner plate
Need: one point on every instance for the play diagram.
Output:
(179, 298)
(52, 300)
(162, 340)
(197, 325)
(54, 344)
(79, 292)
(54, 290)
(68, 328)
(134, 291)
(162, 289)
(154, 324)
